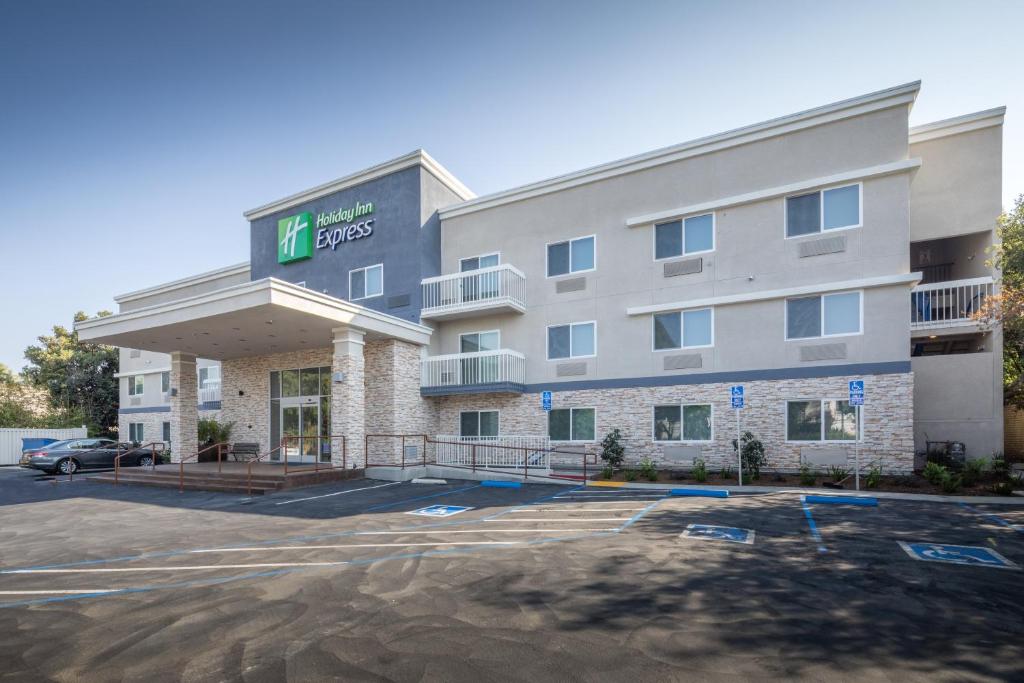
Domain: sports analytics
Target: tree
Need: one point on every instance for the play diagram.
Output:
(1007, 306)
(612, 450)
(77, 376)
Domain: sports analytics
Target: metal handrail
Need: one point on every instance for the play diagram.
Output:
(316, 463)
(152, 445)
(256, 460)
(181, 463)
(403, 437)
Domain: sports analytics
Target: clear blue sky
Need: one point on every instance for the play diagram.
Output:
(134, 134)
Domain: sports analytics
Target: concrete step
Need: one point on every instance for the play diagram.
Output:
(258, 487)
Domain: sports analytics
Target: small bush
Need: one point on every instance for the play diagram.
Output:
(648, 470)
(1000, 468)
(950, 482)
(700, 470)
(608, 472)
(907, 482)
(726, 472)
(934, 473)
(612, 450)
(972, 471)
(751, 453)
(630, 475)
(808, 477)
(1002, 488)
(874, 477)
(838, 473)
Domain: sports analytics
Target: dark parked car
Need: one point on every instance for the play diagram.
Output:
(67, 457)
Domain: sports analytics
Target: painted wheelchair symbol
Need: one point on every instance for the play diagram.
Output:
(439, 510)
(709, 532)
(957, 554)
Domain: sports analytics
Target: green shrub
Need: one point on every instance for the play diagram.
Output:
(726, 472)
(700, 470)
(210, 431)
(630, 475)
(973, 470)
(612, 450)
(1000, 468)
(648, 470)
(838, 473)
(874, 477)
(934, 473)
(751, 453)
(950, 482)
(1002, 488)
(808, 477)
(607, 472)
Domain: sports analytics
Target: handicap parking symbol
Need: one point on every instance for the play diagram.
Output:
(957, 554)
(439, 510)
(719, 533)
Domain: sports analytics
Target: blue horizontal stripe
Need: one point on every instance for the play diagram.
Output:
(209, 405)
(703, 493)
(841, 500)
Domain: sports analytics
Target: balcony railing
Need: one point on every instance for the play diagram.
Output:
(518, 454)
(495, 289)
(948, 304)
(501, 370)
(209, 392)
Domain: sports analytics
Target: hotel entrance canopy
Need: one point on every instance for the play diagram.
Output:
(250, 319)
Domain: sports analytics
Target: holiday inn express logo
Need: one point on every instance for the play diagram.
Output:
(295, 238)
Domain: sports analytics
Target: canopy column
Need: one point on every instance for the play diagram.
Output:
(348, 396)
(184, 406)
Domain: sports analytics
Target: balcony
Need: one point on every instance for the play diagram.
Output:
(209, 392)
(497, 289)
(948, 304)
(501, 371)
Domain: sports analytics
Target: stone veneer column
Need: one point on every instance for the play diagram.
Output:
(348, 397)
(184, 406)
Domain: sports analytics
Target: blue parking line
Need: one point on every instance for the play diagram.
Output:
(410, 500)
(843, 500)
(994, 517)
(814, 527)
(534, 502)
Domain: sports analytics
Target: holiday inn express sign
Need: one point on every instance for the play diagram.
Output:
(295, 234)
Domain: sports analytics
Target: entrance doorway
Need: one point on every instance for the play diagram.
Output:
(300, 415)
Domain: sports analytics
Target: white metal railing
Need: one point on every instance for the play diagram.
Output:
(209, 392)
(474, 289)
(948, 304)
(496, 452)
(479, 367)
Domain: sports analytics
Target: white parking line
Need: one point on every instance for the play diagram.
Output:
(80, 592)
(337, 493)
(475, 531)
(575, 509)
(560, 519)
(437, 544)
(135, 570)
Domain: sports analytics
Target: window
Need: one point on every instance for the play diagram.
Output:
(572, 256)
(478, 262)
(694, 235)
(135, 432)
(209, 375)
(682, 423)
(136, 385)
(478, 423)
(827, 420)
(571, 424)
(833, 209)
(165, 382)
(366, 282)
(683, 329)
(828, 315)
(479, 341)
(578, 340)
(167, 432)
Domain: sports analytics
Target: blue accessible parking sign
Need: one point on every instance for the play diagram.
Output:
(719, 533)
(439, 511)
(736, 394)
(857, 392)
(545, 400)
(957, 554)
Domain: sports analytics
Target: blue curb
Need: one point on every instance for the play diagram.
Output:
(501, 484)
(842, 500)
(704, 493)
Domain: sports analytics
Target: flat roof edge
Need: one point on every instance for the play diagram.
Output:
(199, 278)
(906, 93)
(987, 118)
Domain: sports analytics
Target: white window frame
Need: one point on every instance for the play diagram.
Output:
(132, 426)
(165, 427)
(571, 440)
(465, 334)
(821, 331)
(136, 385)
(821, 416)
(682, 407)
(364, 269)
(571, 271)
(681, 326)
(479, 256)
(682, 219)
(821, 211)
(547, 340)
(496, 411)
(212, 375)
(168, 389)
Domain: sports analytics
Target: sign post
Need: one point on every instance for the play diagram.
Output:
(545, 400)
(857, 400)
(736, 394)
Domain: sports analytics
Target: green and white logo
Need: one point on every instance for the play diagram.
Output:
(295, 238)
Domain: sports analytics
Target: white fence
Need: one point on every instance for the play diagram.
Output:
(495, 286)
(505, 453)
(948, 304)
(479, 367)
(209, 392)
(10, 440)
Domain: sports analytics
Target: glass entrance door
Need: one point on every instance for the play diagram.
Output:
(300, 430)
(300, 409)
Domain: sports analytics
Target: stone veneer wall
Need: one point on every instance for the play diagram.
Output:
(153, 423)
(888, 417)
(393, 401)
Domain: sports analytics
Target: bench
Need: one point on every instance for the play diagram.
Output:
(245, 451)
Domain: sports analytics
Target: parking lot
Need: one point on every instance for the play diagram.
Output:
(348, 582)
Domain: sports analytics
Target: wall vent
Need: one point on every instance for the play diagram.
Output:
(575, 284)
(686, 267)
(135, 353)
(683, 362)
(398, 301)
(827, 245)
(570, 369)
(823, 352)
(136, 401)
